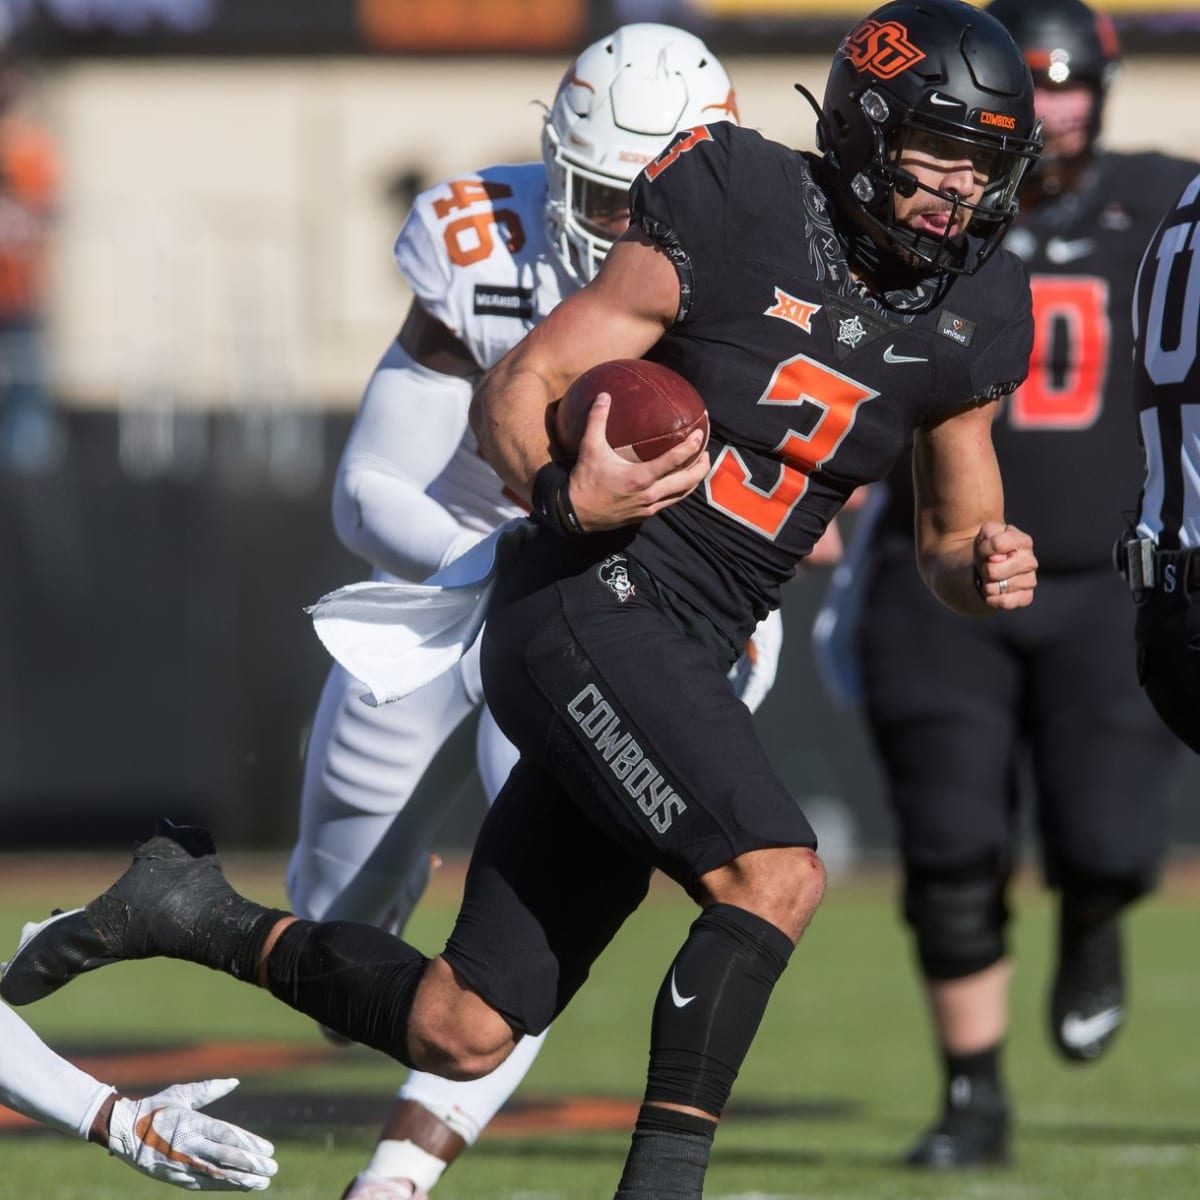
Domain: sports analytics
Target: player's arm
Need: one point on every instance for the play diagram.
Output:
(620, 314)
(968, 556)
(163, 1135)
(412, 417)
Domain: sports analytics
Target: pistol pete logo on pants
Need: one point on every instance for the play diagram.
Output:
(613, 572)
(624, 758)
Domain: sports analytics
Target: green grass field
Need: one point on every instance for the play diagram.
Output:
(840, 1079)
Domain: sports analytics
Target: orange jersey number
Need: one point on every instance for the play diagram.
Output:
(826, 404)
(683, 142)
(469, 237)
(1071, 327)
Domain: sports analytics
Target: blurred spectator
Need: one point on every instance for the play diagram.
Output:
(128, 16)
(14, 15)
(31, 438)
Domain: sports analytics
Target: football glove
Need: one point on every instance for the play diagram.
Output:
(164, 1137)
(753, 674)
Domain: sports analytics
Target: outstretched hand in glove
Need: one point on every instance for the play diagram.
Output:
(166, 1137)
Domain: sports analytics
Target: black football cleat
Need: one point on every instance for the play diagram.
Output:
(1087, 1002)
(164, 904)
(50, 953)
(974, 1132)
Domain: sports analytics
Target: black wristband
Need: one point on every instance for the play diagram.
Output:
(552, 500)
(570, 517)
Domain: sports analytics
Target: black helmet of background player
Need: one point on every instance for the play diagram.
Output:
(1066, 44)
(929, 67)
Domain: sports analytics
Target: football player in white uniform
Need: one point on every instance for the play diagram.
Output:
(487, 255)
(163, 1136)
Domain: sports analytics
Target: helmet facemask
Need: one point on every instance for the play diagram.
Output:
(586, 210)
(897, 207)
(619, 104)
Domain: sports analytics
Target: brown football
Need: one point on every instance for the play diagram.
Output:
(652, 409)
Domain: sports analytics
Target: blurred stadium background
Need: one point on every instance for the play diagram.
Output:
(234, 172)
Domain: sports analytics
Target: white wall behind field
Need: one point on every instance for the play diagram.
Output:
(226, 229)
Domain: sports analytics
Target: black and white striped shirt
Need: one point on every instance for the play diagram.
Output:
(1166, 319)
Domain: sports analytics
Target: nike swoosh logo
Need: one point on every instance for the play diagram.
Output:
(144, 1131)
(1064, 250)
(1079, 1032)
(945, 101)
(676, 999)
(890, 356)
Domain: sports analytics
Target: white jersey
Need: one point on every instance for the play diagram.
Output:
(477, 256)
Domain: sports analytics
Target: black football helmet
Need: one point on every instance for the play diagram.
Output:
(942, 67)
(1065, 43)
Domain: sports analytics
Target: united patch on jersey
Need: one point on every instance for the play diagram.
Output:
(493, 300)
(957, 329)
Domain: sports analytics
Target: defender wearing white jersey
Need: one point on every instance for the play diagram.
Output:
(487, 255)
(1160, 558)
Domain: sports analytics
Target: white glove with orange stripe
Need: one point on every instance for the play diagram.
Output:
(753, 675)
(166, 1138)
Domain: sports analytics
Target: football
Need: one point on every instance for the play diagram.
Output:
(652, 409)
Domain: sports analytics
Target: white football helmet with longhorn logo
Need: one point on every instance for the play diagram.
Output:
(618, 105)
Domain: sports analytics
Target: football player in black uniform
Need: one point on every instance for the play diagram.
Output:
(1159, 557)
(963, 711)
(826, 307)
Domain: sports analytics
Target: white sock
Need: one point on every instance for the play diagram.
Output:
(466, 1107)
(406, 1160)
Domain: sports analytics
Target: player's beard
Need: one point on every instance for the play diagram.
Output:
(932, 238)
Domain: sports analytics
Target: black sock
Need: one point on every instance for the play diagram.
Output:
(973, 1080)
(354, 979)
(667, 1157)
(710, 1006)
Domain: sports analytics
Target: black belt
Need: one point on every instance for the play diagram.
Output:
(1147, 568)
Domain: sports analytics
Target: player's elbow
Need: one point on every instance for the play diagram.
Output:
(350, 505)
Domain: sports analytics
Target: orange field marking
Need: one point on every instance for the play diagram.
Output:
(146, 1070)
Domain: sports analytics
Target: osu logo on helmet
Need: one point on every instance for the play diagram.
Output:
(881, 48)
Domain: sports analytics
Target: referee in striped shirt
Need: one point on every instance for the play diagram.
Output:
(1160, 555)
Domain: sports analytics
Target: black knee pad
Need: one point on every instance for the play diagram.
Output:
(354, 979)
(958, 918)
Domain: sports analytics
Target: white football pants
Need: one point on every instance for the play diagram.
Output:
(369, 811)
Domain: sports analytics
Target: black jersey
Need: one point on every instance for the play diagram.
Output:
(1063, 438)
(812, 388)
(1166, 378)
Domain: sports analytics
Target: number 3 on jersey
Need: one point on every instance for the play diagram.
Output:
(826, 403)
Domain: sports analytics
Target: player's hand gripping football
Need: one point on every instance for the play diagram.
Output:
(1005, 566)
(607, 491)
(164, 1137)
